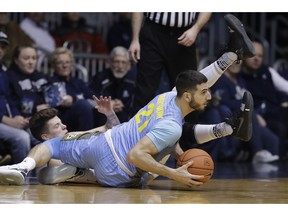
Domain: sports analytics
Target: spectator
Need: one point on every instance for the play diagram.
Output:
(270, 94)
(26, 83)
(75, 110)
(15, 34)
(118, 81)
(36, 28)
(264, 144)
(74, 27)
(13, 125)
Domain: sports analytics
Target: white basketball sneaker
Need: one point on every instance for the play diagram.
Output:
(13, 174)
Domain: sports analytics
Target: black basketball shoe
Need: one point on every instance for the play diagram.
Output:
(241, 120)
(239, 42)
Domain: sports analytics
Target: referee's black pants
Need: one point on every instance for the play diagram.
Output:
(160, 51)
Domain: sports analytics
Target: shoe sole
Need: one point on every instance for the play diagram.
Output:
(56, 174)
(246, 132)
(235, 24)
(266, 160)
(11, 177)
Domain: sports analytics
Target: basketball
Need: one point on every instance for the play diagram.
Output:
(202, 163)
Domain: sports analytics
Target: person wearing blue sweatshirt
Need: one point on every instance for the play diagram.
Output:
(264, 144)
(75, 108)
(13, 135)
(270, 94)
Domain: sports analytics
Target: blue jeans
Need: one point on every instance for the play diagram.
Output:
(18, 141)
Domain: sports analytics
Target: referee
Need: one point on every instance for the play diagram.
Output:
(162, 41)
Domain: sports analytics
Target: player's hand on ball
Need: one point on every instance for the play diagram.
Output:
(186, 178)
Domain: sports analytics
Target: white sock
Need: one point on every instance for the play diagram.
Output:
(28, 163)
(205, 133)
(214, 71)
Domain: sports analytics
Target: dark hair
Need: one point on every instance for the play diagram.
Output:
(38, 122)
(17, 50)
(188, 80)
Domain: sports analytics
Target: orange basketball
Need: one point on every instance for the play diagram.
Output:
(202, 163)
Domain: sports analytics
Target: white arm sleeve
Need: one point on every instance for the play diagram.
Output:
(279, 82)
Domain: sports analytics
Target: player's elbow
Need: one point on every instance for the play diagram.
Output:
(132, 157)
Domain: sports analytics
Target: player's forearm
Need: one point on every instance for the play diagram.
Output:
(112, 120)
(147, 163)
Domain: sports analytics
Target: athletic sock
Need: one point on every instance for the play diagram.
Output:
(28, 163)
(214, 71)
(205, 133)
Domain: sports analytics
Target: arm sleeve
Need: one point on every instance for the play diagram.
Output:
(188, 133)
(279, 82)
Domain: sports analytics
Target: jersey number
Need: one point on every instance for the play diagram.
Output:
(147, 113)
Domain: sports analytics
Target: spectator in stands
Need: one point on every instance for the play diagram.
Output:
(75, 109)
(74, 27)
(120, 33)
(264, 144)
(118, 81)
(13, 135)
(36, 28)
(269, 92)
(15, 34)
(26, 82)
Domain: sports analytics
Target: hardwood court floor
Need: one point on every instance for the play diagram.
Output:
(231, 184)
(217, 191)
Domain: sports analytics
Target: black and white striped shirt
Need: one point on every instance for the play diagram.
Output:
(172, 19)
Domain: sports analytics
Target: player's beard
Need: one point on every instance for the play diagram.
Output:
(197, 106)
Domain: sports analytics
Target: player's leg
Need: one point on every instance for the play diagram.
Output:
(66, 174)
(15, 174)
(241, 121)
(239, 125)
(239, 47)
(239, 42)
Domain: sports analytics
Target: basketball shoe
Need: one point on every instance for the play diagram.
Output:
(239, 42)
(241, 120)
(66, 174)
(13, 174)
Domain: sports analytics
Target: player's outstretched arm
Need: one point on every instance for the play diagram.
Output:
(104, 105)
